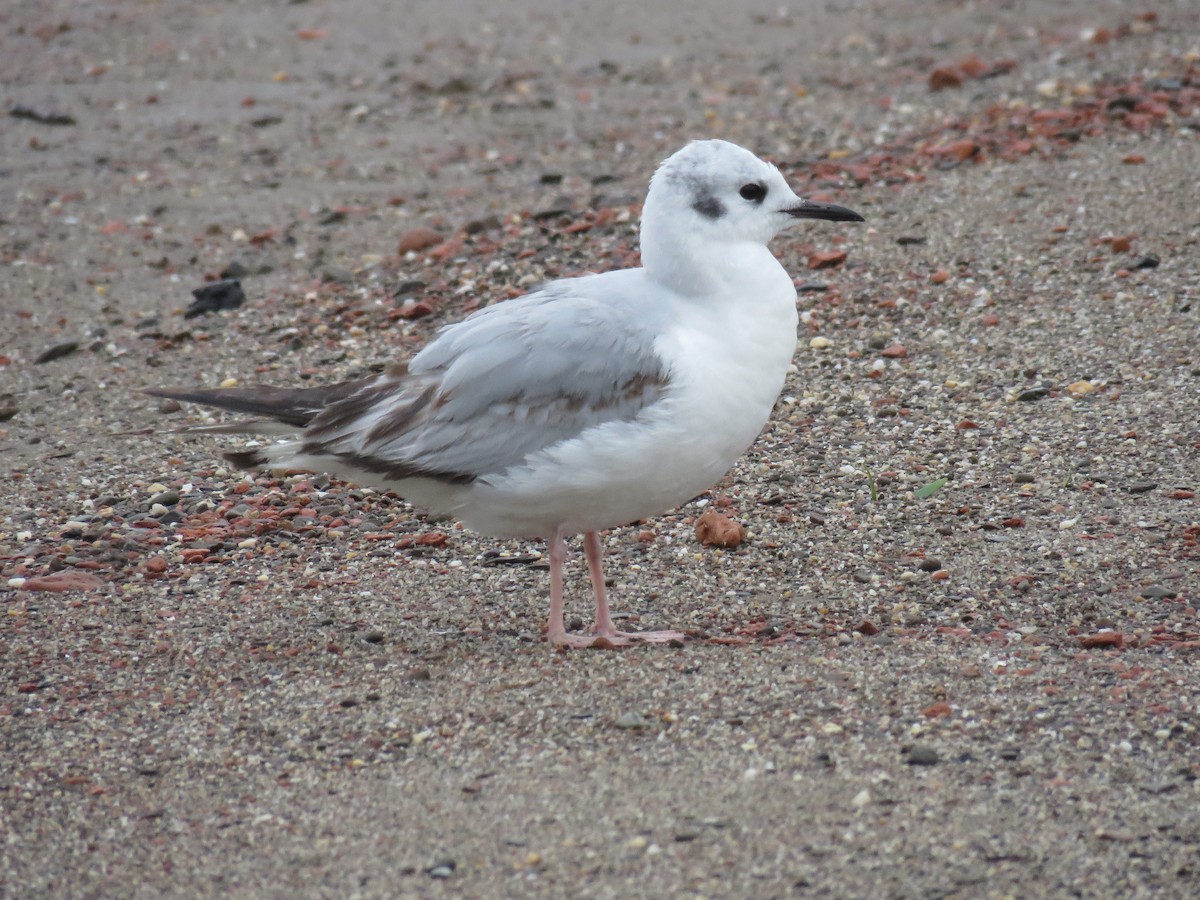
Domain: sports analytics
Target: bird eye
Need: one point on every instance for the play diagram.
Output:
(753, 192)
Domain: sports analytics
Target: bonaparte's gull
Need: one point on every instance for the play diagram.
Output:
(590, 403)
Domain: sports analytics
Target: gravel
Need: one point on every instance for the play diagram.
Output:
(217, 684)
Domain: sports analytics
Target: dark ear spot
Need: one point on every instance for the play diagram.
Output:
(708, 206)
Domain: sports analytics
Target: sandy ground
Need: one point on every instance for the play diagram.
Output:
(257, 686)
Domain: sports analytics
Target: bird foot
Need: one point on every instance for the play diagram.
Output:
(614, 639)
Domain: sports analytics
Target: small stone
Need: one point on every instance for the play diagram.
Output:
(1141, 487)
(168, 497)
(1080, 388)
(1102, 639)
(1149, 261)
(235, 269)
(921, 755)
(819, 343)
(418, 239)
(1157, 592)
(943, 78)
(930, 564)
(442, 869)
(409, 287)
(215, 297)
(58, 351)
(1036, 393)
(826, 259)
(631, 720)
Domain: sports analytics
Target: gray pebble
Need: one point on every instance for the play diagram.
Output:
(442, 869)
(58, 351)
(1157, 592)
(921, 755)
(631, 720)
(235, 269)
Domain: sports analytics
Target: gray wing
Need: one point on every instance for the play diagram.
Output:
(508, 381)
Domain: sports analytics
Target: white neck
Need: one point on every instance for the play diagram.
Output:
(689, 265)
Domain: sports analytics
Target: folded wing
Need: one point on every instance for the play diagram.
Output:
(508, 381)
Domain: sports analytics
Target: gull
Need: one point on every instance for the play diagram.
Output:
(590, 403)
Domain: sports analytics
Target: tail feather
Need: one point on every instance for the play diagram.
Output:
(247, 459)
(291, 406)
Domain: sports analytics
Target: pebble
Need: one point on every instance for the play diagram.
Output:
(1157, 592)
(165, 498)
(632, 720)
(215, 297)
(58, 351)
(235, 269)
(418, 239)
(442, 869)
(922, 755)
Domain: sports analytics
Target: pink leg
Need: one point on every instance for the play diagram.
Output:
(604, 626)
(594, 552)
(556, 549)
(604, 634)
(556, 632)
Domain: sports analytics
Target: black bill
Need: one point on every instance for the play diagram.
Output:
(811, 209)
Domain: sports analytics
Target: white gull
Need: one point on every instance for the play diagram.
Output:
(590, 403)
